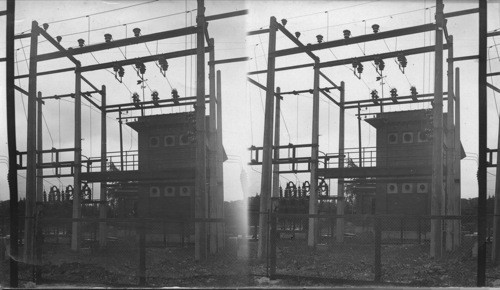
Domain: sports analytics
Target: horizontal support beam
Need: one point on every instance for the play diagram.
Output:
(360, 102)
(2, 59)
(355, 172)
(295, 40)
(358, 39)
(461, 12)
(289, 146)
(49, 72)
(492, 87)
(404, 102)
(306, 91)
(282, 68)
(461, 58)
(20, 36)
(53, 150)
(118, 106)
(3, 12)
(385, 55)
(72, 95)
(144, 59)
(493, 74)
(120, 43)
(494, 33)
(58, 46)
(21, 90)
(136, 175)
(256, 32)
(226, 15)
(229, 60)
(153, 106)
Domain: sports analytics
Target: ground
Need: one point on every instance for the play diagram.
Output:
(297, 265)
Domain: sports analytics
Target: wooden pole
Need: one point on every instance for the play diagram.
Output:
(201, 174)
(39, 148)
(458, 158)
(276, 167)
(340, 187)
(482, 155)
(437, 146)
(450, 154)
(77, 210)
(31, 148)
(266, 185)
(313, 196)
(220, 164)
(213, 194)
(12, 146)
(103, 206)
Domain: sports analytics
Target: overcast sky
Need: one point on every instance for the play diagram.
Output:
(243, 102)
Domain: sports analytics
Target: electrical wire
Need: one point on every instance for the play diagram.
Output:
(118, 25)
(19, 84)
(48, 130)
(491, 80)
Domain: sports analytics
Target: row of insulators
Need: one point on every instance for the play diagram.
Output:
(107, 37)
(57, 195)
(394, 94)
(141, 67)
(380, 64)
(155, 97)
(319, 37)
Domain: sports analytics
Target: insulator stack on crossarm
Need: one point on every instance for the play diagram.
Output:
(402, 62)
(374, 96)
(358, 68)
(414, 93)
(394, 95)
(155, 98)
(175, 96)
(119, 72)
(136, 99)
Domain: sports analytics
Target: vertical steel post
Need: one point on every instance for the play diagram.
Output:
(39, 148)
(437, 145)
(272, 247)
(120, 122)
(276, 166)
(359, 137)
(340, 186)
(212, 192)
(483, 134)
(378, 249)
(201, 174)
(450, 154)
(31, 148)
(495, 253)
(12, 147)
(266, 180)
(77, 209)
(220, 164)
(39, 192)
(458, 158)
(313, 195)
(103, 206)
